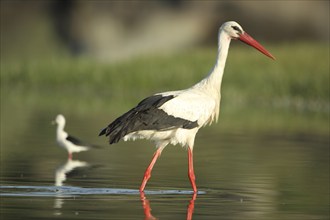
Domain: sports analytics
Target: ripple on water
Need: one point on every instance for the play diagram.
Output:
(69, 191)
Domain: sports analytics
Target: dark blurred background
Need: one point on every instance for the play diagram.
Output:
(112, 30)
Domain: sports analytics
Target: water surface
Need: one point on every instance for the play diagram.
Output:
(240, 174)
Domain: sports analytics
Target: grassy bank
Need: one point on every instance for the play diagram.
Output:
(295, 85)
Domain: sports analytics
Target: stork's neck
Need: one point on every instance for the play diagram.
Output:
(214, 78)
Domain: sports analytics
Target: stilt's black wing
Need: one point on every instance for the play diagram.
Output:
(76, 141)
(145, 116)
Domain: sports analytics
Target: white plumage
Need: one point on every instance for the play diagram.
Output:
(191, 105)
(175, 117)
(68, 142)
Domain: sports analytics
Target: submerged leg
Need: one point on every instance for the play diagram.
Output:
(147, 174)
(146, 207)
(191, 207)
(191, 172)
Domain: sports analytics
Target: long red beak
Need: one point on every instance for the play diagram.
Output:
(252, 42)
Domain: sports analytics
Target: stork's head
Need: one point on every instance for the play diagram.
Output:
(235, 31)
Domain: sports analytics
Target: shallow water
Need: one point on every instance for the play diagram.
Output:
(239, 176)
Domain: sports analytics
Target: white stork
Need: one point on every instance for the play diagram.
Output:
(68, 142)
(175, 117)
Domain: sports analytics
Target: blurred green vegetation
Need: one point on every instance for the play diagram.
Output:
(287, 94)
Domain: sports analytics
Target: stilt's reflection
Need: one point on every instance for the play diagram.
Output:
(64, 170)
(61, 174)
(147, 208)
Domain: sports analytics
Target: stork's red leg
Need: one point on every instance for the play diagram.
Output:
(147, 174)
(146, 207)
(191, 207)
(191, 172)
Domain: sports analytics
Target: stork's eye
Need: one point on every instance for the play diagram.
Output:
(237, 29)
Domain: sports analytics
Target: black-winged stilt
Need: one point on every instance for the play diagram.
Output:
(68, 142)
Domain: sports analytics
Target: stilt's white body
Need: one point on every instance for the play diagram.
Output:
(61, 138)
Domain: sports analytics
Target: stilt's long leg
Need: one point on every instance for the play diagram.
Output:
(147, 174)
(191, 172)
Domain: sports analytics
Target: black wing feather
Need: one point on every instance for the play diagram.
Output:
(145, 116)
(76, 141)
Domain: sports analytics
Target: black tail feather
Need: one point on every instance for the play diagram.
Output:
(103, 132)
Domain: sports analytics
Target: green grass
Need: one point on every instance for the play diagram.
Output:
(296, 85)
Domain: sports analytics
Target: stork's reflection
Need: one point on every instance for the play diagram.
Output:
(147, 208)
